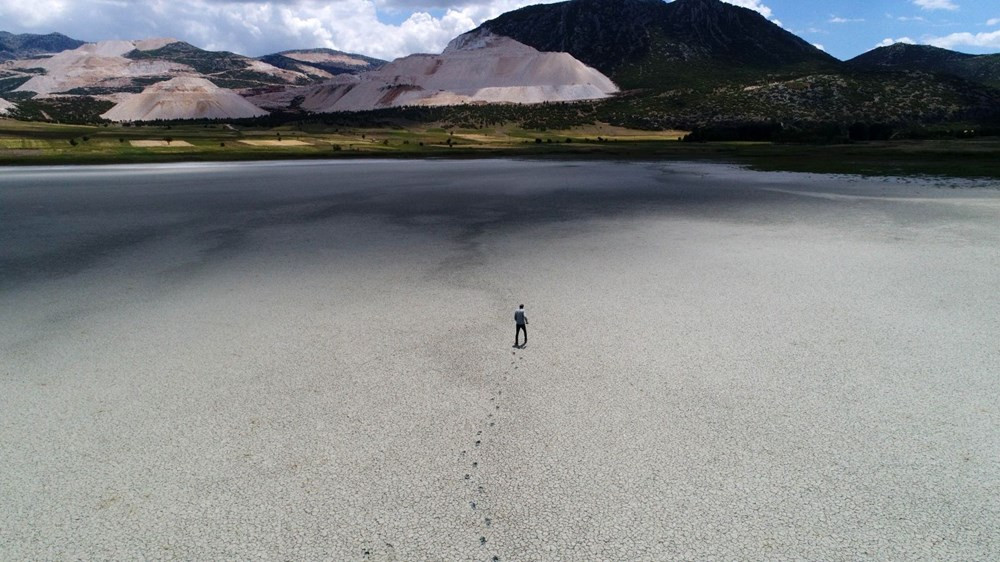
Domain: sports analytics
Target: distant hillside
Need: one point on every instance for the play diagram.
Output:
(639, 43)
(14, 47)
(323, 63)
(225, 69)
(984, 69)
(690, 64)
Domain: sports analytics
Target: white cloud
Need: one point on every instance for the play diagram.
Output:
(257, 27)
(936, 4)
(837, 19)
(819, 46)
(989, 40)
(757, 6)
(993, 21)
(910, 18)
(890, 41)
(30, 14)
(380, 28)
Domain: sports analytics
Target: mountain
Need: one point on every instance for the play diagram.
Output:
(93, 68)
(225, 69)
(688, 64)
(112, 69)
(476, 68)
(984, 69)
(28, 45)
(638, 42)
(322, 63)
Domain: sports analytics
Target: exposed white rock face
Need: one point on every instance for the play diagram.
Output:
(153, 43)
(343, 59)
(477, 67)
(5, 106)
(94, 63)
(184, 97)
(104, 65)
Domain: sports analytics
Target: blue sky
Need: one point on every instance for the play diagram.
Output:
(848, 28)
(393, 28)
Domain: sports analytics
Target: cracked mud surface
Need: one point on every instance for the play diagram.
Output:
(313, 361)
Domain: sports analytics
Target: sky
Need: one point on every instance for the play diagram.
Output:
(392, 28)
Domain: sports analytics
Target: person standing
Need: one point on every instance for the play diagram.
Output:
(521, 319)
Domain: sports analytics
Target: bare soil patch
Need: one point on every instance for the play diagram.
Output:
(158, 143)
(274, 142)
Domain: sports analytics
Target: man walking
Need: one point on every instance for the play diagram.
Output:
(522, 324)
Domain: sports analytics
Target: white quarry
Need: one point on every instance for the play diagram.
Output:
(96, 64)
(321, 57)
(104, 65)
(477, 67)
(184, 97)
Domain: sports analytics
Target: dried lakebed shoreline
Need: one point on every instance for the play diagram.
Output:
(312, 360)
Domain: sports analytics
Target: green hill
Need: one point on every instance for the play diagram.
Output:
(225, 69)
(984, 69)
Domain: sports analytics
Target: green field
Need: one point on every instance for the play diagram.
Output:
(34, 143)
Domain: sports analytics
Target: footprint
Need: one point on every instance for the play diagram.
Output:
(466, 476)
(478, 442)
(473, 504)
(475, 464)
(482, 540)
(488, 521)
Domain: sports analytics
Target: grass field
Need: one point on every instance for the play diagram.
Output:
(32, 143)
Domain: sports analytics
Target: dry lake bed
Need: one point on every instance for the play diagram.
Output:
(312, 360)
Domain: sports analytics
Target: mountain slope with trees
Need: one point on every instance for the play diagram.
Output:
(27, 45)
(622, 37)
(323, 62)
(984, 69)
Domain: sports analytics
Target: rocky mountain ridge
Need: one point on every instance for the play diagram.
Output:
(324, 63)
